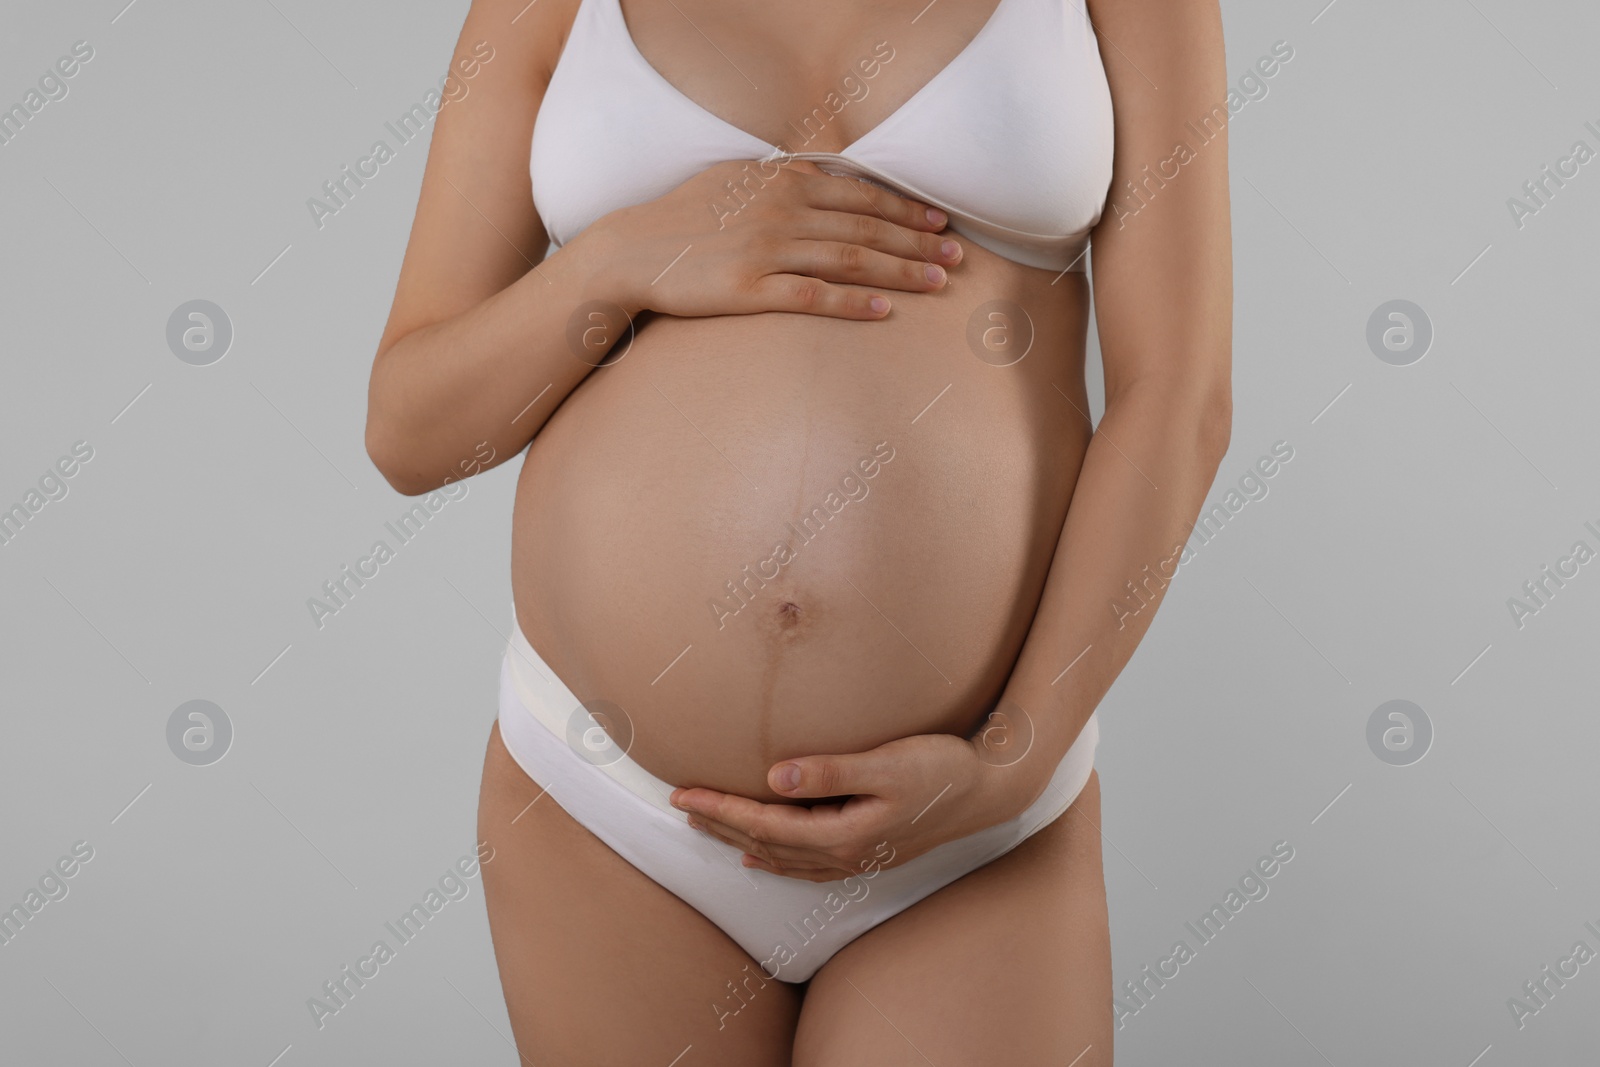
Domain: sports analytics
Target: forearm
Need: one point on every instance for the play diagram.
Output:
(494, 372)
(1144, 478)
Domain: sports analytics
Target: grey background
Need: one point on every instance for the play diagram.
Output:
(219, 498)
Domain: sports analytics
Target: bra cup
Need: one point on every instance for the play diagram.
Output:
(1029, 150)
(1013, 139)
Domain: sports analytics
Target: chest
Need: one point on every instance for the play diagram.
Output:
(1000, 116)
(826, 74)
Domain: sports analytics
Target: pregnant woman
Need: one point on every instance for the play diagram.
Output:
(820, 569)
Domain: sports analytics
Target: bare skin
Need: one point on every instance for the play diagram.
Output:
(631, 974)
(630, 525)
(984, 560)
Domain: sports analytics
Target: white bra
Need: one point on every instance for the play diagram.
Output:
(1012, 138)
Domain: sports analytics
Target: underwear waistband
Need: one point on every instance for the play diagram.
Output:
(547, 701)
(557, 709)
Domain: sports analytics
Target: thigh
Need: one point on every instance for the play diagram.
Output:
(599, 964)
(1009, 965)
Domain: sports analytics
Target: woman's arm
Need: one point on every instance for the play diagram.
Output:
(480, 343)
(477, 328)
(1163, 292)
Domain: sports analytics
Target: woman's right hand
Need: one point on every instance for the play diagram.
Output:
(802, 241)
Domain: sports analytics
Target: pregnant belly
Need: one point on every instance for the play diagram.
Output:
(780, 535)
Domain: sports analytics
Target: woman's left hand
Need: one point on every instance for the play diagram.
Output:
(909, 795)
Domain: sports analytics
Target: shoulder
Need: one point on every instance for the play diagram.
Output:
(531, 34)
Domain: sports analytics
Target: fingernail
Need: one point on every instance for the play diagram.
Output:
(878, 304)
(936, 217)
(694, 824)
(788, 776)
(934, 272)
(950, 250)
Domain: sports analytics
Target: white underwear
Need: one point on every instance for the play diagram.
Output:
(789, 926)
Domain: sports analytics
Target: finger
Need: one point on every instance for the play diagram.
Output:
(820, 828)
(784, 855)
(804, 166)
(871, 231)
(812, 296)
(843, 193)
(843, 261)
(750, 860)
(834, 869)
(801, 875)
(850, 774)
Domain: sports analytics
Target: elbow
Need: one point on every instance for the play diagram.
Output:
(1192, 412)
(389, 459)
(386, 438)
